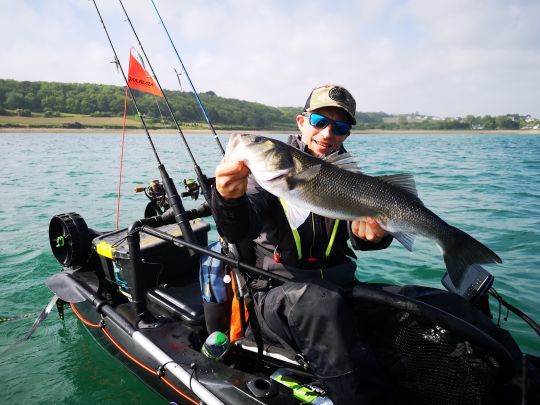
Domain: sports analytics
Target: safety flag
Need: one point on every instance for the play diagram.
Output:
(139, 79)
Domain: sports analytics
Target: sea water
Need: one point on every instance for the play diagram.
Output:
(486, 184)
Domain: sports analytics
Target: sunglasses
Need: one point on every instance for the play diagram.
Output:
(339, 128)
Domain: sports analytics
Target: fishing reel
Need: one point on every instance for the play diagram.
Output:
(155, 192)
(158, 197)
(192, 189)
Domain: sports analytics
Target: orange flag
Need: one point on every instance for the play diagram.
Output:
(139, 79)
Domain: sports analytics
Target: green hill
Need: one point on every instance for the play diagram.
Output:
(84, 105)
(51, 99)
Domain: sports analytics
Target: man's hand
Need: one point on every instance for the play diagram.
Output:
(231, 179)
(368, 229)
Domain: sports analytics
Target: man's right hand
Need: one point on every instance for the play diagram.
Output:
(231, 179)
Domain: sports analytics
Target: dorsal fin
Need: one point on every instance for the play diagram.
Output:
(344, 161)
(403, 181)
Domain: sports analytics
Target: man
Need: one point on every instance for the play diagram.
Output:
(310, 313)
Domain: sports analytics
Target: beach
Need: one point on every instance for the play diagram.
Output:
(190, 130)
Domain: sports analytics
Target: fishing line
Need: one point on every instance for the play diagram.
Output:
(175, 202)
(159, 85)
(189, 80)
(198, 172)
(119, 66)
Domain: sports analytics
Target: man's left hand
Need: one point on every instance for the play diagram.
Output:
(368, 229)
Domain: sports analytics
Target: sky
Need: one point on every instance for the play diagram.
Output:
(445, 58)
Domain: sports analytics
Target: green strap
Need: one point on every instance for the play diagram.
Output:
(296, 235)
(332, 239)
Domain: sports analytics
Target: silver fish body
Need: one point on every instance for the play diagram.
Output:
(335, 188)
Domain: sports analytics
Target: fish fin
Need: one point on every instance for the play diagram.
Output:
(295, 215)
(461, 251)
(302, 177)
(403, 181)
(271, 175)
(344, 161)
(406, 239)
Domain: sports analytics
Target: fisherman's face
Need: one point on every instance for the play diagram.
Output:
(321, 142)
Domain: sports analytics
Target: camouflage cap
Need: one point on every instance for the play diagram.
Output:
(332, 95)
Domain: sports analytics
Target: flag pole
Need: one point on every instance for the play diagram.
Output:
(121, 161)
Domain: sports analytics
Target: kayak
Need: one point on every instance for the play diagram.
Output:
(137, 291)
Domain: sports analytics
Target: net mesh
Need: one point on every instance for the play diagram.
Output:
(432, 365)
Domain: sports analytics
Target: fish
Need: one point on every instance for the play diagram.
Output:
(334, 187)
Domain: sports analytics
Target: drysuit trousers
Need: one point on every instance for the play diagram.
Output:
(314, 318)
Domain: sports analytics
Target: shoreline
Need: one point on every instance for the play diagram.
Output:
(228, 132)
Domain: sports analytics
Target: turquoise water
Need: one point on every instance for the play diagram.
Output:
(487, 185)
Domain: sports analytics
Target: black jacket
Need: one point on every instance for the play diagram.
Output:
(259, 216)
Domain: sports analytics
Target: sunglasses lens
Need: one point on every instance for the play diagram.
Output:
(341, 128)
(318, 121)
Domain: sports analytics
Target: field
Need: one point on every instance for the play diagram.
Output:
(64, 122)
(59, 121)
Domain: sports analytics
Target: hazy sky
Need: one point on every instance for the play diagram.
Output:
(438, 57)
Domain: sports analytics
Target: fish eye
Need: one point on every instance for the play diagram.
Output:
(258, 139)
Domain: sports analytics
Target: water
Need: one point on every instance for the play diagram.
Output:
(487, 185)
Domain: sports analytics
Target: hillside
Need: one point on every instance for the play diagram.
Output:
(58, 103)
(82, 105)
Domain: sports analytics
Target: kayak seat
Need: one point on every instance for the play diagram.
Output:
(182, 302)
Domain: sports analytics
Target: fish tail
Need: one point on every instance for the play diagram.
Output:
(461, 250)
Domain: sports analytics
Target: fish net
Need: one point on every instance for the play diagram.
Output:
(436, 366)
(433, 357)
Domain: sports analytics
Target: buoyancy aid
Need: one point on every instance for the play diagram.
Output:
(311, 256)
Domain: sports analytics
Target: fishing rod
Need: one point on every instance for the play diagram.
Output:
(175, 202)
(200, 176)
(189, 80)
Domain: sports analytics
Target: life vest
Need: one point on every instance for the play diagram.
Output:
(298, 241)
(237, 325)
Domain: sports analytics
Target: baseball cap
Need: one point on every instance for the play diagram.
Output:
(332, 95)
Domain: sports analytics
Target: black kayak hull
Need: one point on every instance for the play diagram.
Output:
(177, 339)
(146, 309)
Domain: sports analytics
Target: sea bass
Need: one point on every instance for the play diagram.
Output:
(334, 187)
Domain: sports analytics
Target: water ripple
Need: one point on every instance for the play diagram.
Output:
(488, 185)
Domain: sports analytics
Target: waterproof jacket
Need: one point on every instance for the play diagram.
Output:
(260, 216)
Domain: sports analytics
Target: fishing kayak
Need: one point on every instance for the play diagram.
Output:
(137, 292)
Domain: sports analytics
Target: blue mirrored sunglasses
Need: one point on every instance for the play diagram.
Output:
(339, 128)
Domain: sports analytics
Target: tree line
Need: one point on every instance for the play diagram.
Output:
(52, 98)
